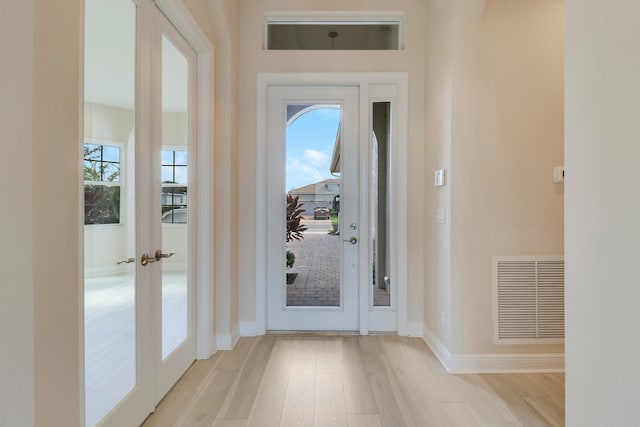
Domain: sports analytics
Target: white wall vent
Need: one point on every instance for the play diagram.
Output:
(528, 295)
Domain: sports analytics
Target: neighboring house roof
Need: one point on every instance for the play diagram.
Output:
(322, 187)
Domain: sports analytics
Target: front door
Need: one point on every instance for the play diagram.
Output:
(139, 210)
(313, 201)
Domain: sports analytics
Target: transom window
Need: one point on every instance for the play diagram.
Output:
(319, 31)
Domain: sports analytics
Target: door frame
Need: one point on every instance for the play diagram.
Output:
(369, 85)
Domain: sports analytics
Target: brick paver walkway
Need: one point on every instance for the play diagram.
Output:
(318, 267)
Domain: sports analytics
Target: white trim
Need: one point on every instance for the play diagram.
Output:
(227, 341)
(437, 347)
(181, 18)
(248, 329)
(492, 363)
(415, 329)
(362, 80)
(506, 363)
(333, 16)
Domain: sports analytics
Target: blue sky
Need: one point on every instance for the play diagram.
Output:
(310, 141)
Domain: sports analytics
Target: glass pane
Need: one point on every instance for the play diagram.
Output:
(181, 174)
(181, 157)
(92, 151)
(333, 36)
(380, 258)
(111, 172)
(110, 154)
(167, 157)
(175, 231)
(167, 174)
(101, 204)
(313, 244)
(109, 277)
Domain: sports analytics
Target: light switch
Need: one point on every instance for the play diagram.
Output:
(438, 179)
(440, 216)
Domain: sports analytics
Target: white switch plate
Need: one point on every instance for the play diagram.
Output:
(558, 175)
(440, 216)
(438, 179)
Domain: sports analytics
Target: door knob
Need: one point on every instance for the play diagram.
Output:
(159, 255)
(146, 259)
(351, 240)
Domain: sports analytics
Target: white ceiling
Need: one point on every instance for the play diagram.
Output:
(110, 59)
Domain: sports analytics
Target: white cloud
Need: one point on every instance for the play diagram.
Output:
(316, 158)
(301, 172)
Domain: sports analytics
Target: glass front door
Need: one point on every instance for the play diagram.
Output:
(313, 146)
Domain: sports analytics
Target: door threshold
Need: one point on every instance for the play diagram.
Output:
(314, 333)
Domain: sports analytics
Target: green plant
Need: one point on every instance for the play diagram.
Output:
(334, 225)
(294, 218)
(291, 259)
(294, 226)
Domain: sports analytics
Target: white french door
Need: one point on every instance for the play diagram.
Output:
(139, 228)
(319, 288)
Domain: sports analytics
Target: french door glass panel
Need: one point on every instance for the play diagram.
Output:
(110, 206)
(173, 201)
(175, 231)
(313, 202)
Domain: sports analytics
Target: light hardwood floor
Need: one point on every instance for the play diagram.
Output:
(350, 381)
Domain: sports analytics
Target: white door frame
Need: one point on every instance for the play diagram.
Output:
(367, 84)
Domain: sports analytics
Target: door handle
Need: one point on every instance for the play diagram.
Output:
(146, 259)
(126, 261)
(159, 255)
(353, 240)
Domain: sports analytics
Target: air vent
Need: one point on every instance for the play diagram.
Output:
(528, 300)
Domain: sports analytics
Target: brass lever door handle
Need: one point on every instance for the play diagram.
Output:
(352, 240)
(159, 255)
(146, 259)
(126, 261)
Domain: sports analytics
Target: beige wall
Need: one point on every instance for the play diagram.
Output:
(497, 116)
(437, 155)
(56, 226)
(253, 59)
(16, 261)
(602, 212)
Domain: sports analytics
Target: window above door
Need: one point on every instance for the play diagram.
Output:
(333, 31)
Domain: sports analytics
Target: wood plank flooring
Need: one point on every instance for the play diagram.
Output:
(324, 381)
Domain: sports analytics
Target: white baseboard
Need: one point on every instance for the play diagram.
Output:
(415, 329)
(492, 363)
(227, 341)
(437, 347)
(248, 329)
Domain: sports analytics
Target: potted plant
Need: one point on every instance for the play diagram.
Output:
(295, 228)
